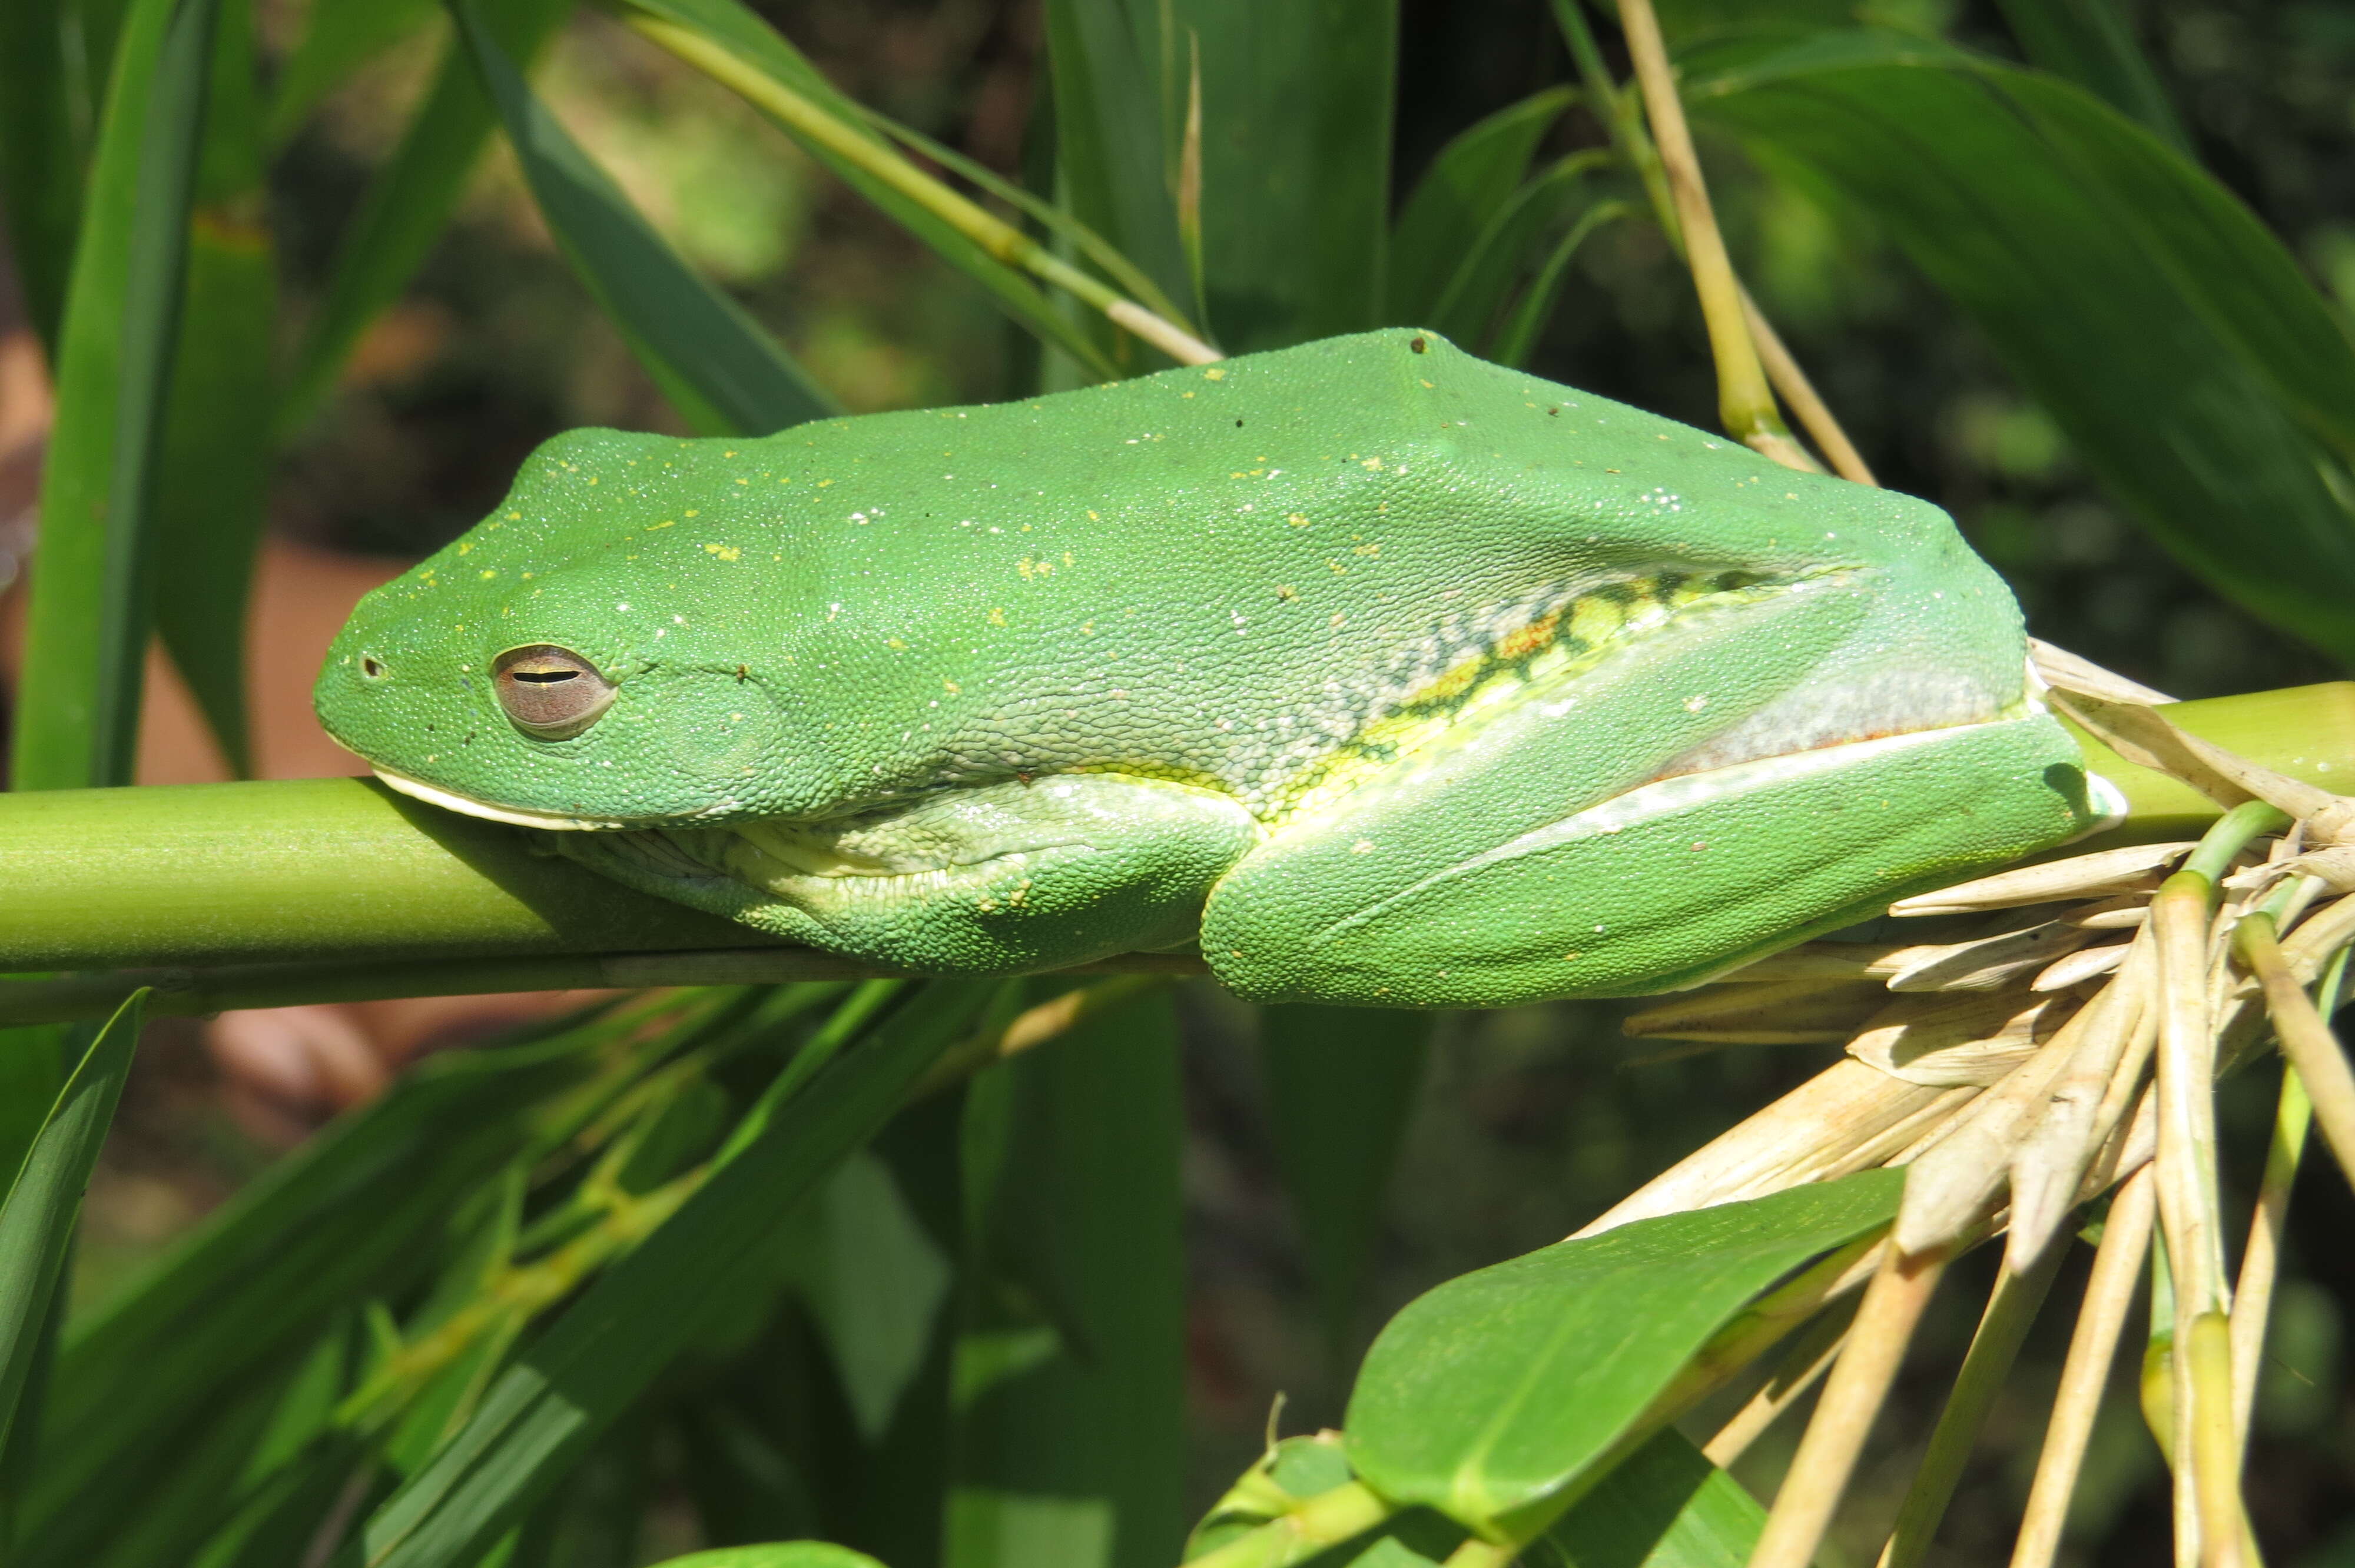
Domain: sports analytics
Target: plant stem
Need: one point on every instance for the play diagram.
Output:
(994, 235)
(2307, 1039)
(1852, 1397)
(1745, 403)
(2093, 1348)
(2010, 1310)
(1801, 1365)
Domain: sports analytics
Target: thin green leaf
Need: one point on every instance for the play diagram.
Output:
(775, 1554)
(1467, 185)
(2194, 369)
(40, 156)
(1518, 338)
(218, 433)
(2091, 43)
(1493, 1397)
(1520, 230)
(874, 1281)
(719, 367)
(1664, 1506)
(411, 199)
(1071, 1366)
(739, 32)
(339, 41)
(1296, 112)
(599, 1356)
(1113, 133)
(1340, 1084)
(87, 628)
(36, 1221)
(350, 1215)
(1086, 241)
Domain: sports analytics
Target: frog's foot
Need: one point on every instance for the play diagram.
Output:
(996, 880)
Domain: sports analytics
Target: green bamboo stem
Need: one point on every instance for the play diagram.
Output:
(255, 895)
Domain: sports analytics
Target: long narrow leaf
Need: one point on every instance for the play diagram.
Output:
(566, 1387)
(1467, 186)
(349, 1215)
(1112, 133)
(721, 370)
(217, 434)
(338, 40)
(1069, 1437)
(2194, 369)
(40, 165)
(411, 199)
(736, 31)
(36, 1221)
(2092, 43)
(86, 634)
(1297, 103)
(1340, 1083)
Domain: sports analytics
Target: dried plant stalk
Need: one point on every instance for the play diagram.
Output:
(1852, 1398)
(2093, 1348)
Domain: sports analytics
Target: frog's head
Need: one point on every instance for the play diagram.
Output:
(563, 664)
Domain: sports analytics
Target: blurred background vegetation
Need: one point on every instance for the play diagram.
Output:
(1533, 1120)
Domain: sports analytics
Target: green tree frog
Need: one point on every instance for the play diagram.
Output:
(1388, 676)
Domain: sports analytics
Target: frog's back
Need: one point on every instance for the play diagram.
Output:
(1224, 573)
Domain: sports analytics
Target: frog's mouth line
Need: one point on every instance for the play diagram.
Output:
(518, 816)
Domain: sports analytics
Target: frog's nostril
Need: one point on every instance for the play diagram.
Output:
(550, 692)
(372, 667)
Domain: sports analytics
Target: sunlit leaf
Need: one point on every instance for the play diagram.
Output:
(777, 1554)
(1492, 1397)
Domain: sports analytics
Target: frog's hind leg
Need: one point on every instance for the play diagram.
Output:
(1639, 828)
(999, 879)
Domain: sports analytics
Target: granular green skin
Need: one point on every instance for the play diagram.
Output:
(1251, 617)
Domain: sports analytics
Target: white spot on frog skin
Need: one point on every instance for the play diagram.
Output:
(1363, 846)
(1695, 703)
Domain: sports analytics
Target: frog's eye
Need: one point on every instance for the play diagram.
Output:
(550, 692)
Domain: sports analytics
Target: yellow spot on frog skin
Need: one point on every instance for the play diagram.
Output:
(1091, 516)
(592, 479)
(725, 552)
(1373, 463)
(824, 482)
(691, 512)
(950, 687)
(1285, 590)
(1297, 521)
(1338, 570)
(893, 642)
(1185, 394)
(1363, 846)
(488, 574)
(1339, 621)
(466, 547)
(666, 522)
(1214, 375)
(996, 616)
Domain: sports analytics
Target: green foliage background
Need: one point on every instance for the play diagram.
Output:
(696, 1271)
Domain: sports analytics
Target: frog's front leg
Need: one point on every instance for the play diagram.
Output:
(1002, 879)
(1648, 822)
